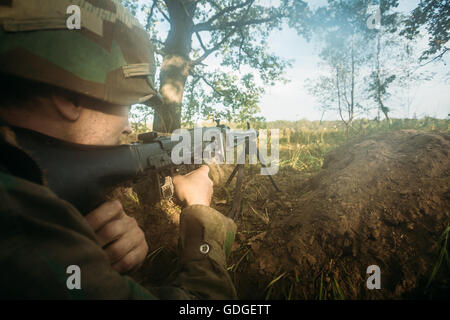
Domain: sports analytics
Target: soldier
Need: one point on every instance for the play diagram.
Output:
(77, 86)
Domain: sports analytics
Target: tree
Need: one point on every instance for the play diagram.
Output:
(342, 29)
(434, 15)
(390, 59)
(338, 90)
(404, 73)
(380, 80)
(236, 32)
(384, 70)
(409, 73)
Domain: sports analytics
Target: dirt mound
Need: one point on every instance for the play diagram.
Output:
(382, 200)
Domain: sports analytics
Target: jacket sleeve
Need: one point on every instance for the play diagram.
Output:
(206, 237)
(42, 236)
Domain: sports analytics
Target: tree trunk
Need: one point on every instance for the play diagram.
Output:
(352, 99)
(176, 64)
(379, 85)
(173, 76)
(386, 114)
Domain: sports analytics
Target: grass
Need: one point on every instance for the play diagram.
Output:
(337, 292)
(443, 254)
(235, 266)
(270, 286)
(329, 287)
(152, 255)
(303, 147)
(306, 158)
(321, 289)
(304, 144)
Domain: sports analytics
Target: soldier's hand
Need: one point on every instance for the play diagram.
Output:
(195, 187)
(119, 235)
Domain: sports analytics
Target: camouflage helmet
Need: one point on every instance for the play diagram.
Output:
(110, 58)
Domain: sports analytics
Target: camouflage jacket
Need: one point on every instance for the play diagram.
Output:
(42, 235)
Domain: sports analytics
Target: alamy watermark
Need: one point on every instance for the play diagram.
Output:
(213, 145)
(74, 280)
(374, 21)
(374, 281)
(74, 20)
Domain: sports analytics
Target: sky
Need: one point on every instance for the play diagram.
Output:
(291, 101)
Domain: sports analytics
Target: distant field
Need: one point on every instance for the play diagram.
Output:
(304, 143)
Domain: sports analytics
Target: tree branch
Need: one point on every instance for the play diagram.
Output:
(237, 24)
(211, 86)
(217, 46)
(345, 96)
(215, 4)
(438, 57)
(201, 42)
(189, 12)
(242, 36)
(150, 15)
(160, 52)
(156, 2)
(207, 52)
(240, 47)
(209, 23)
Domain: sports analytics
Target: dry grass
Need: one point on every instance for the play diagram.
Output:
(303, 146)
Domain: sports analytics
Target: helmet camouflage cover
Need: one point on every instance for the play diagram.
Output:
(110, 58)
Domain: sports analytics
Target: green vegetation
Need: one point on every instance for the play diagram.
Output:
(188, 34)
(443, 254)
(303, 147)
(303, 143)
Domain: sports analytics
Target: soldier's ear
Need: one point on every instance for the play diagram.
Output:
(66, 106)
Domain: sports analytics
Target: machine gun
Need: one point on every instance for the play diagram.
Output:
(84, 174)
